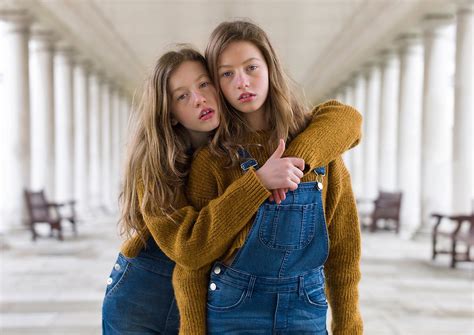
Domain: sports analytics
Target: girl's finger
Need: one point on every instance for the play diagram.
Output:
(282, 194)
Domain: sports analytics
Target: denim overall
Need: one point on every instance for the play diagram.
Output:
(275, 284)
(139, 298)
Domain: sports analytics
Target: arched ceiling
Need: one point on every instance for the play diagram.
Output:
(319, 41)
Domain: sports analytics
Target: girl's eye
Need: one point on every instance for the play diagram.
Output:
(252, 67)
(182, 97)
(204, 84)
(227, 74)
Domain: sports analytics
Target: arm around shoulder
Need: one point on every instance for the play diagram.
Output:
(334, 128)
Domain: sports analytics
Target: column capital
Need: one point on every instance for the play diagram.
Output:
(41, 38)
(387, 55)
(432, 22)
(410, 43)
(408, 39)
(17, 20)
(465, 6)
(369, 66)
(350, 81)
(84, 62)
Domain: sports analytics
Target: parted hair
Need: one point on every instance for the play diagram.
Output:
(157, 151)
(286, 113)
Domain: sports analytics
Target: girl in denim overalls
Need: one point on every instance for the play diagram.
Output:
(162, 230)
(272, 281)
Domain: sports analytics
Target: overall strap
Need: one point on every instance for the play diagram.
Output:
(320, 173)
(249, 161)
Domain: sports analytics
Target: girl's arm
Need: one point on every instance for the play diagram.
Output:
(342, 267)
(334, 129)
(195, 238)
(190, 289)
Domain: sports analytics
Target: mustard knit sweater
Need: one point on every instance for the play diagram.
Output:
(194, 240)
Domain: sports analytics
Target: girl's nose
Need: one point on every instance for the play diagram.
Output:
(242, 81)
(198, 99)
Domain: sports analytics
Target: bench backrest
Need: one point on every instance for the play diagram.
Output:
(387, 205)
(37, 204)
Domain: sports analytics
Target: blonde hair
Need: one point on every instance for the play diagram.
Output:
(157, 152)
(288, 114)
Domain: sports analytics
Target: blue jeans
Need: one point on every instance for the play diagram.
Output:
(139, 298)
(244, 304)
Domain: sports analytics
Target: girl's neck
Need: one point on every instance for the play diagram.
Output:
(257, 120)
(198, 139)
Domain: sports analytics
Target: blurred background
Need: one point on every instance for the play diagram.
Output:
(69, 71)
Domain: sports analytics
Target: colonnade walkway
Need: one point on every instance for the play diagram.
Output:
(52, 287)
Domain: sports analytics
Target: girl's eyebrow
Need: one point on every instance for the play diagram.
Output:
(182, 87)
(245, 61)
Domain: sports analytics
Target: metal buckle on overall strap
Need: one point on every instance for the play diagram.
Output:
(320, 173)
(250, 162)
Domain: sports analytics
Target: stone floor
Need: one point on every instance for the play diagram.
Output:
(52, 287)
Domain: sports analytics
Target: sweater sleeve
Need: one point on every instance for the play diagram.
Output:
(195, 238)
(342, 267)
(334, 129)
(190, 289)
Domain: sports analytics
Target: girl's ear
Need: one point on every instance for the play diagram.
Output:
(174, 122)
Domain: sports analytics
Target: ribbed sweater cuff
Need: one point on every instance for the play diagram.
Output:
(253, 187)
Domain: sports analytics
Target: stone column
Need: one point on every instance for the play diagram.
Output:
(105, 157)
(15, 125)
(115, 148)
(358, 152)
(371, 129)
(95, 140)
(124, 136)
(42, 110)
(340, 94)
(81, 134)
(437, 119)
(388, 122)
(409, 132)
(347, 97)
(463, 139)
(64, 129)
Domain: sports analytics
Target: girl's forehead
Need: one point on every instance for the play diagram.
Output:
(187, 73)
(239, 51)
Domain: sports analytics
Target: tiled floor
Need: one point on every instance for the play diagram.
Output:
(52, 287)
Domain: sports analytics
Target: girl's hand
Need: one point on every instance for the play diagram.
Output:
(281, 173)
(278, 195)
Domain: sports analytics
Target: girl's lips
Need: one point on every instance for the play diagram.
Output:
(247, 97)
(206, 114)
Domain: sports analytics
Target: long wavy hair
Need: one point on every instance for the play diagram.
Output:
(285, 111)
(157, 151)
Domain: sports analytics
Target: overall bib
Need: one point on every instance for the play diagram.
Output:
(139, 298)
(275, 284)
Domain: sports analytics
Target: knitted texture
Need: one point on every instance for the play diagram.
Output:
(194, 239)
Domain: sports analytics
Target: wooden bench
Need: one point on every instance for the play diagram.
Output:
(456, 235)
(386, 208)
(42, 211)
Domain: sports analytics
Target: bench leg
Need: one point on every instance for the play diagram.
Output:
(453, 254)
(34, 235)
(434, 246)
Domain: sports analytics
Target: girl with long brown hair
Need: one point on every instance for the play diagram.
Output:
(178, 113)
(275, 275)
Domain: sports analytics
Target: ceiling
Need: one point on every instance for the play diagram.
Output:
(320, 42)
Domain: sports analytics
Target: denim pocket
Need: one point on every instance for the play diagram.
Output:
(118, 275)
(316, 296)
(288, 227)
(224, 297)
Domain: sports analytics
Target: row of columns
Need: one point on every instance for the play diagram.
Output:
(65, 123)
(418, 121)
